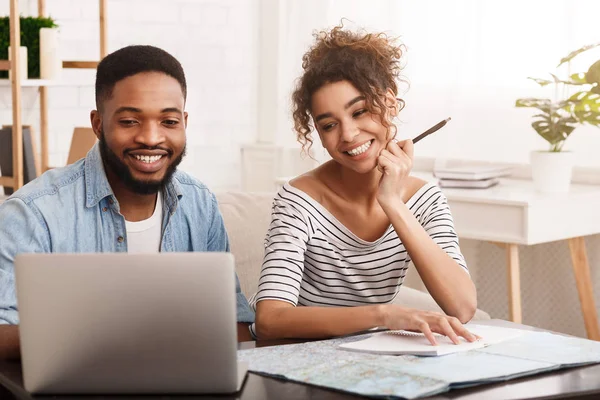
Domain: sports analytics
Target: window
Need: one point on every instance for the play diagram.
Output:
(466, 59)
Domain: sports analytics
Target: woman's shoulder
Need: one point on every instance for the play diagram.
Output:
(413, 185)
(310, 184)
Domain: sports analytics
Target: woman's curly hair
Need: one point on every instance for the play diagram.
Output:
(370, 61)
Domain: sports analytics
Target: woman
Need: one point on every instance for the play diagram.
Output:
(343, 234)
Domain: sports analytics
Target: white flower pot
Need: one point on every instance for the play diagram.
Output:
(50, 60)
(551, 171)
(22, 61)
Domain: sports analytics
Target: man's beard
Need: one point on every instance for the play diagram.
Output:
(122, 171)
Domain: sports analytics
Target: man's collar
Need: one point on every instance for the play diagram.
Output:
(96, 182)
(97, 186)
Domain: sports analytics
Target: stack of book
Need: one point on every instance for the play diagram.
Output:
(470, 176)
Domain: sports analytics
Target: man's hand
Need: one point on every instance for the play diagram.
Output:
(9, 342)
(243, 330)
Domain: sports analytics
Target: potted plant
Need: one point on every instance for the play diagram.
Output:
(557, 118)
(30, 38)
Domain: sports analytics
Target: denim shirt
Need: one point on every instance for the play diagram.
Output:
(73, 210)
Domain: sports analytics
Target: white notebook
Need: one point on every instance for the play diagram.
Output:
(462, 183)
(472, 172)
(405, 342)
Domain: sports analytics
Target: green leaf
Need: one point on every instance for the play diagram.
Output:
(539, 81)
(554, 130)
(566, 104)
(572, 54)
(587, 107)
(542, 104)
(30, 37)
(593, 74)
(594, 121)
(555, 79)
(578, 78)
(591, 117)
(569, 82)
(579, 96)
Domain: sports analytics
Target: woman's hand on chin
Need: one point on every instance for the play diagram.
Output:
(395, 163)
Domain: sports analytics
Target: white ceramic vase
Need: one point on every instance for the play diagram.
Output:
(22, 60)
(50, 59)
(551, 171)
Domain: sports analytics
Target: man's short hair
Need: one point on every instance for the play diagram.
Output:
(132, 60)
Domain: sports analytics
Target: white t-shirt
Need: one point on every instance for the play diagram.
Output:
(144, 236)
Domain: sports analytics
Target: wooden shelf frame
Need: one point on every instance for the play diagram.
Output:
(16, 180)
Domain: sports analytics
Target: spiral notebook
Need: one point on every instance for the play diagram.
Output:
(414, 343)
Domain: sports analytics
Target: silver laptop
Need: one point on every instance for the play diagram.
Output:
(121, 323)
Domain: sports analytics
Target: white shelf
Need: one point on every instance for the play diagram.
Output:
(45, 82)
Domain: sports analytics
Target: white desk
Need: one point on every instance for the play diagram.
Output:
(513, 214)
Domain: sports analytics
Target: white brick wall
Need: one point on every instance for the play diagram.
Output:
(216, 42)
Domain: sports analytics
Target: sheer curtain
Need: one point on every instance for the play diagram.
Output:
(465, 59)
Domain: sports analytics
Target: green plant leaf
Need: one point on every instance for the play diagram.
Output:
(579, 96)
(570, 81)
(554, 130)
(539, 81)
(30, 37)
(591, 117)
(593, 74)
(566, 104)
(594, 120)
(586, 108)
(542, 104)
(578, 78)
(556, 78)
(572, 54)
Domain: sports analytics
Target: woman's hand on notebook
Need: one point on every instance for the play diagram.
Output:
(427, 322)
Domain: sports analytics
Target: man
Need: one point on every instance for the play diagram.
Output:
(126, 195)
